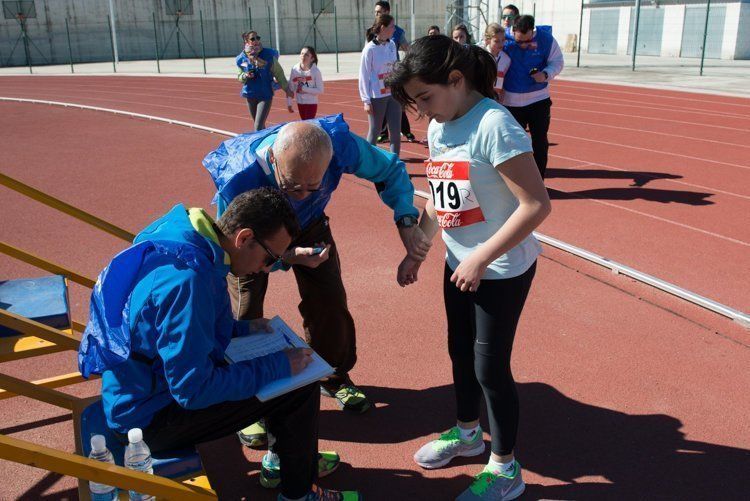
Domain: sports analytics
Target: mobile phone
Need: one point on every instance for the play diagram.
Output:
(317, 250)
(533, 70)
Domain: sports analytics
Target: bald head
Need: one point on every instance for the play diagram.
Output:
(302, 152)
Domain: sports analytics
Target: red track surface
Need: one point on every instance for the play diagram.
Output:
(626, 392)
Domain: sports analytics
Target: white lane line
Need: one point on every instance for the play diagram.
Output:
(738, 316)
(691, 99)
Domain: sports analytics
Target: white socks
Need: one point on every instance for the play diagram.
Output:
(506, 469)
(470, 434)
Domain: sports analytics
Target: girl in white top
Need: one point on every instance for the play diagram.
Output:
(487, 196)
(494, 39)
(306, 82)
(376, 64)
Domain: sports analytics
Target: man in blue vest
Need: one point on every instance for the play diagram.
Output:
(536, 59)
(160, 322)
(306, 161)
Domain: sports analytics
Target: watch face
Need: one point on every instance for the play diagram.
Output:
(407, 221)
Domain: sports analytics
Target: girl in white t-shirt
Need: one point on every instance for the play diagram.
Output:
(494, 39)
(378, 58)
(306, 82)
(487, 196)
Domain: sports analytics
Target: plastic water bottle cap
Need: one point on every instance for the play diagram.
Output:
(135, 435)
(98, 443)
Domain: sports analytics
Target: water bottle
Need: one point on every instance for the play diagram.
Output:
(138, 457)
(99, 452)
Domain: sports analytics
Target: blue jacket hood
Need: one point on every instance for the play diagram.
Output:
(106, 339)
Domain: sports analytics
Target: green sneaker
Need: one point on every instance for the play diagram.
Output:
(349, 397)
(254, 436)
(487, 485)
(319, 494)
(270, 475)
(440, 452)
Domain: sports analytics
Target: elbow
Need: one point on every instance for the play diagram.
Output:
(544, 209)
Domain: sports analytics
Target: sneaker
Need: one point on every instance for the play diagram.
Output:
(349, 397)
(440, 452)
(270, 473)
(383, 138)
(254, 436)
(488, 485)
(319, 494)
(410, 137)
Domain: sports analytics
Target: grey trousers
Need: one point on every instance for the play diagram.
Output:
(388, 108)
(259, 111)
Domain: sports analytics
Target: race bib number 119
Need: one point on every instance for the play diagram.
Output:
(454, 199)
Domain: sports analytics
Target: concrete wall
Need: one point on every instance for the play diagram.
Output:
(735, 41)
(674, 18)
(742, 40)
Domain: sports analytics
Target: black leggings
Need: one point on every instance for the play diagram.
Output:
(481, 329)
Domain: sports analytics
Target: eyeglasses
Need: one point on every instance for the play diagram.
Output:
(288, 187)
(254, 39)
(271, 258)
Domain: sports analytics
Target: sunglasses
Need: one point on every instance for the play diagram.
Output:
(254, 39)
(509, 16)
(271, 258)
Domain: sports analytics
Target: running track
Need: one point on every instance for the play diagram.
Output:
(625, 391)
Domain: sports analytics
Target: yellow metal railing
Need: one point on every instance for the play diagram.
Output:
(49, 266)
(64, 207)
(65, 463)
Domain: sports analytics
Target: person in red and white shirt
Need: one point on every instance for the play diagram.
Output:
(306, 82)
(376, 64)
(494, 38)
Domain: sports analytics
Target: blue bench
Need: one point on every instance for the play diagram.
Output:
(176, 464)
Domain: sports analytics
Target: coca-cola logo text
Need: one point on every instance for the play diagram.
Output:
(440, 171)
(449, 220)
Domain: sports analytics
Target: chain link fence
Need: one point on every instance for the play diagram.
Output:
(71, 32)
(181, 35)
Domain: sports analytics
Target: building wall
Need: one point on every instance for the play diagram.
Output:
(223, 22)
(735, 38)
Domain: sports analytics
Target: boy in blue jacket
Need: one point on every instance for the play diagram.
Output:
(161, 320)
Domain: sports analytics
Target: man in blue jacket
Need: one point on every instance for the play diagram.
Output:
(306, 161)
(536, 59)
(161, 320)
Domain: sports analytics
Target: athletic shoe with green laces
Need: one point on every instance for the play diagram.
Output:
(349, 397)
(440, 452)
(270, 475)
(319, 494)
(254, 436)
(496, 487)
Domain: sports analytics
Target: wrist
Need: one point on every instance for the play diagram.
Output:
(407, 222)
(288, 256)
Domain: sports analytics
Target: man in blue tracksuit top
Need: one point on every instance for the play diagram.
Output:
(160, 322)
(536, 59)
(306, 161)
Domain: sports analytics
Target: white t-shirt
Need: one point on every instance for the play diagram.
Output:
(502, 61)
(470, 196)
(311, 80)
(374, 66)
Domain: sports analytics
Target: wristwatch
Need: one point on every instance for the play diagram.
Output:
(407, 221)
(546, 76)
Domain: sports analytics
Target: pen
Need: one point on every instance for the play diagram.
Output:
(289, 341)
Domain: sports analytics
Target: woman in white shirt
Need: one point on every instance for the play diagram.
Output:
(494, 39)
(376, 64)
(306, 82)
